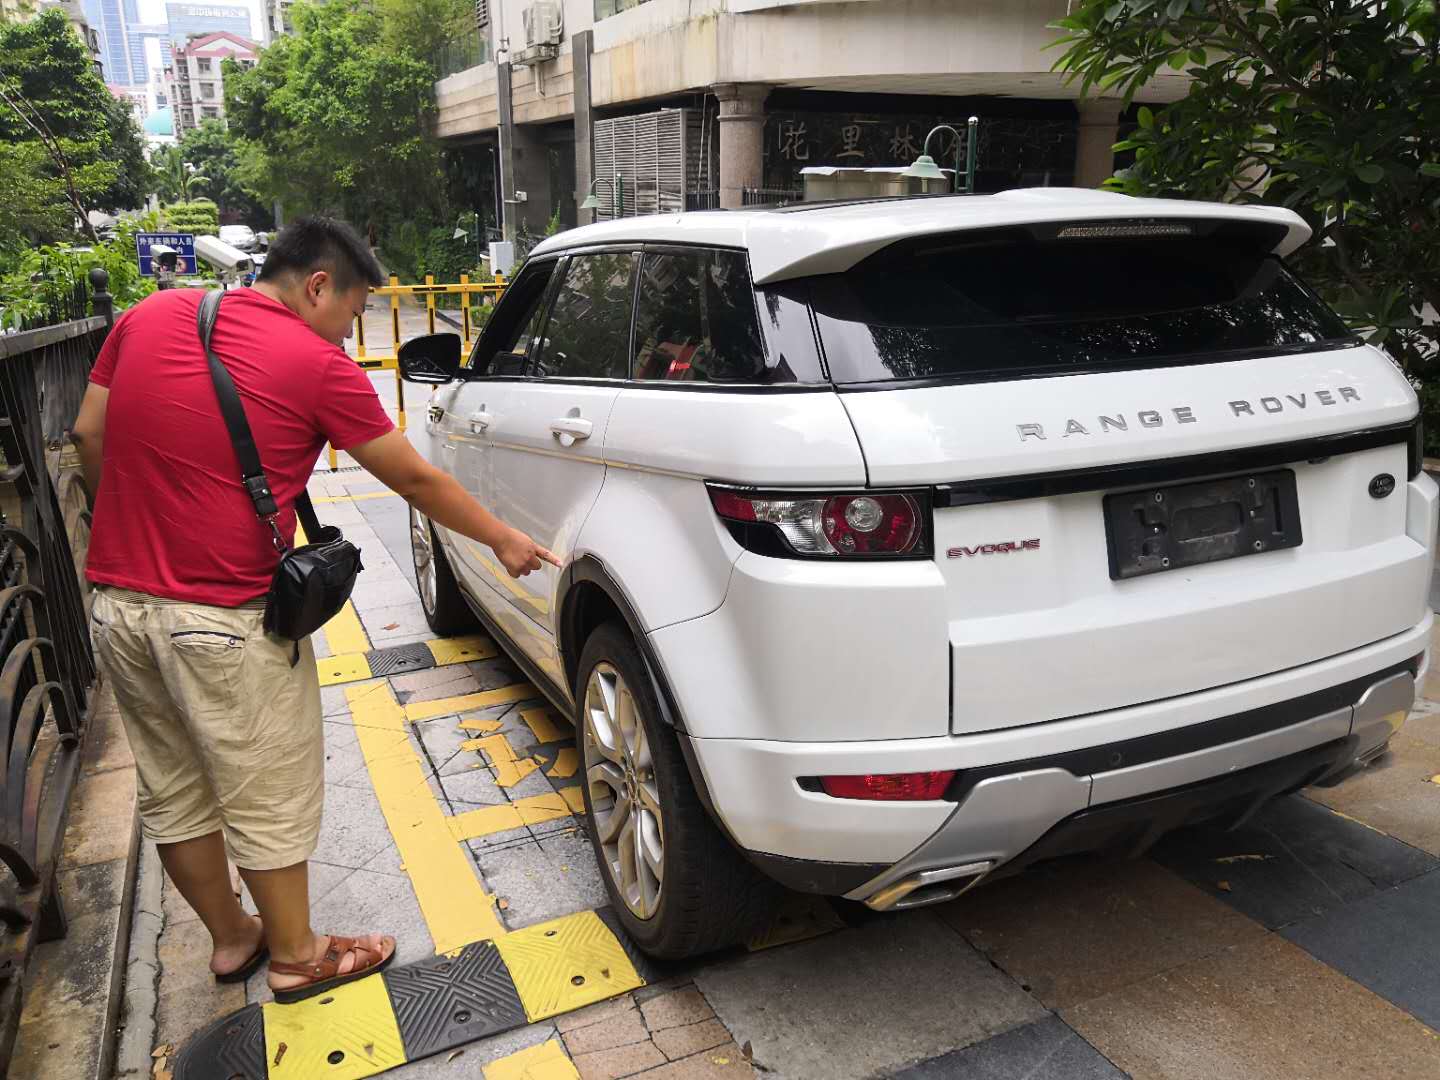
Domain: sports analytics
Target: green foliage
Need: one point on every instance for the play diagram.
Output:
(41, 279)
(42, 63)
(34, 204)
(335, 119)
(1331, 108)
(216, 157)
(201, 217)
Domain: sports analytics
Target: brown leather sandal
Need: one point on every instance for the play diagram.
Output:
(324, 973)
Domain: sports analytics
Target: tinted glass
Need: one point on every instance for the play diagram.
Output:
(695, 319)
(516, 320)
(1014, 308)
(588, 335)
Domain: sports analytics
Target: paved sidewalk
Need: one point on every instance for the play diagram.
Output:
(1302, 945)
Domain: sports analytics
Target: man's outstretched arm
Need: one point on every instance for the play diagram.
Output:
(436, 494)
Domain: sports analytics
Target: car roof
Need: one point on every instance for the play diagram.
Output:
(830, 238)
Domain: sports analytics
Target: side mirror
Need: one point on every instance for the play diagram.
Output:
(433, 358)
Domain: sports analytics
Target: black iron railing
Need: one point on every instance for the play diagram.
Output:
(47, 671)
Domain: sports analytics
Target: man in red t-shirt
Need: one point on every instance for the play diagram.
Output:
(225, 726)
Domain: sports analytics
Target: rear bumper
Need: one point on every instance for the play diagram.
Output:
(1003, 805)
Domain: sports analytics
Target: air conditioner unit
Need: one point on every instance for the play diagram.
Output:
(544, 24)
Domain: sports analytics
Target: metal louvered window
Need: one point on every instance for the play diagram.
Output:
(482, 14)
(663, 160)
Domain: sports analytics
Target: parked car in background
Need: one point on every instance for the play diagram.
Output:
(908, 543)
(239, 236)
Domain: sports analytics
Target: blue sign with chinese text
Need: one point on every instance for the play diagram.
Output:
(183, 244)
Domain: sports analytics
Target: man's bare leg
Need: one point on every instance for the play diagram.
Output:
(201, 872)
(283, 897)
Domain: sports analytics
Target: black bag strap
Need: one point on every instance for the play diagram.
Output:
(252, 473)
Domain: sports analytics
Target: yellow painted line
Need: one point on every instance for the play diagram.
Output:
(349, 498)
(506, 695)
(345, 634)
(546, 725)
(544, 1062)
(356, 1021)
(566, 964)
(351, 667)
(574, 798)
(483, 726)
(509, 769)
(456, 907)
(461, 649)
(488, 820)
(566, 762)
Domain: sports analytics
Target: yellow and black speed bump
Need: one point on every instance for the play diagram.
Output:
(399, 659)
(230, 1049)
(446, 1001)
(425, 1008)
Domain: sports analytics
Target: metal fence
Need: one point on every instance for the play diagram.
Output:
(47, 671)
(761, 197)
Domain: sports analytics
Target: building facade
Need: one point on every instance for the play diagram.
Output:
(773, 87)
(111, 20)
(183, 21)
(195, 81)
(275, 19)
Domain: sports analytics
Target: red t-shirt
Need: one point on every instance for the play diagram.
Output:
(171, 518)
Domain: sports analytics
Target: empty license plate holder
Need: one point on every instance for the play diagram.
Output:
(1155, 529)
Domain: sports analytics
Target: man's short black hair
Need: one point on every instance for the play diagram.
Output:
(315, 243)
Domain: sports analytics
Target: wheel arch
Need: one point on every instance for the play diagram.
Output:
(591, 597)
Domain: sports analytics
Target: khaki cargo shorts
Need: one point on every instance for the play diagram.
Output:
(226, 732)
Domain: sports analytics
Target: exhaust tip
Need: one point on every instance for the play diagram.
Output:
(929, 887)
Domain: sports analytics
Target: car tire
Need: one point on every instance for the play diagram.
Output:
(706, 896)
(445, 609)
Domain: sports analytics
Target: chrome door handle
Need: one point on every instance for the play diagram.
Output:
(573, 427)
(479, 421)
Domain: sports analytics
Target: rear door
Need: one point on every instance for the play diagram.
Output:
(1160, 463)
(549, 428)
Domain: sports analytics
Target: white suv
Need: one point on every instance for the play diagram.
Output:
(909, 542)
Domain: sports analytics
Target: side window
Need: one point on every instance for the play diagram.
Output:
(516, 321)
(695, 321)
(588, 335)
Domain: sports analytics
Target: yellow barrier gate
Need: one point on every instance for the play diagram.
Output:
(487, 292)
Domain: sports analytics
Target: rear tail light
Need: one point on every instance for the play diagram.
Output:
(863, 525)
(889, 787)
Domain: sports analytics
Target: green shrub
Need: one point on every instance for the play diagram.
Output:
(201, 217)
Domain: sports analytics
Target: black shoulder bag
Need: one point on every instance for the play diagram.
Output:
(312, 582)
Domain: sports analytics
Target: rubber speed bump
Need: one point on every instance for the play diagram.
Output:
(348, 1033)
(448, 1001)
(230, 1049)
(563, 965)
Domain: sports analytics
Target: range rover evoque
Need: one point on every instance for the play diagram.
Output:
(910, 542)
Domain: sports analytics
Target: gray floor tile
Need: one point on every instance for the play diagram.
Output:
(810, 1010)
(354, 829)
(1046, 1050)
(1388, 942)
(1295, 860)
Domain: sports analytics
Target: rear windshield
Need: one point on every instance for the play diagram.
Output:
(1012, 307)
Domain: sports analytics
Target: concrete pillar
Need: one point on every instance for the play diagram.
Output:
(530, 173)
(1098, 132)
(507, 151)
(742, 139)
(583, 46)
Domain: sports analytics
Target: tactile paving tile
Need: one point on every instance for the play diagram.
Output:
(562, 965)
(229, 1049)
(344, 1034)
(400, 659)
(448, 1001)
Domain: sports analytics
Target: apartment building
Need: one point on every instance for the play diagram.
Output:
(763, 90)
(195, 81)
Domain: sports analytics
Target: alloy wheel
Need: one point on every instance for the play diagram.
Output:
(424, 553)
(624, 794)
